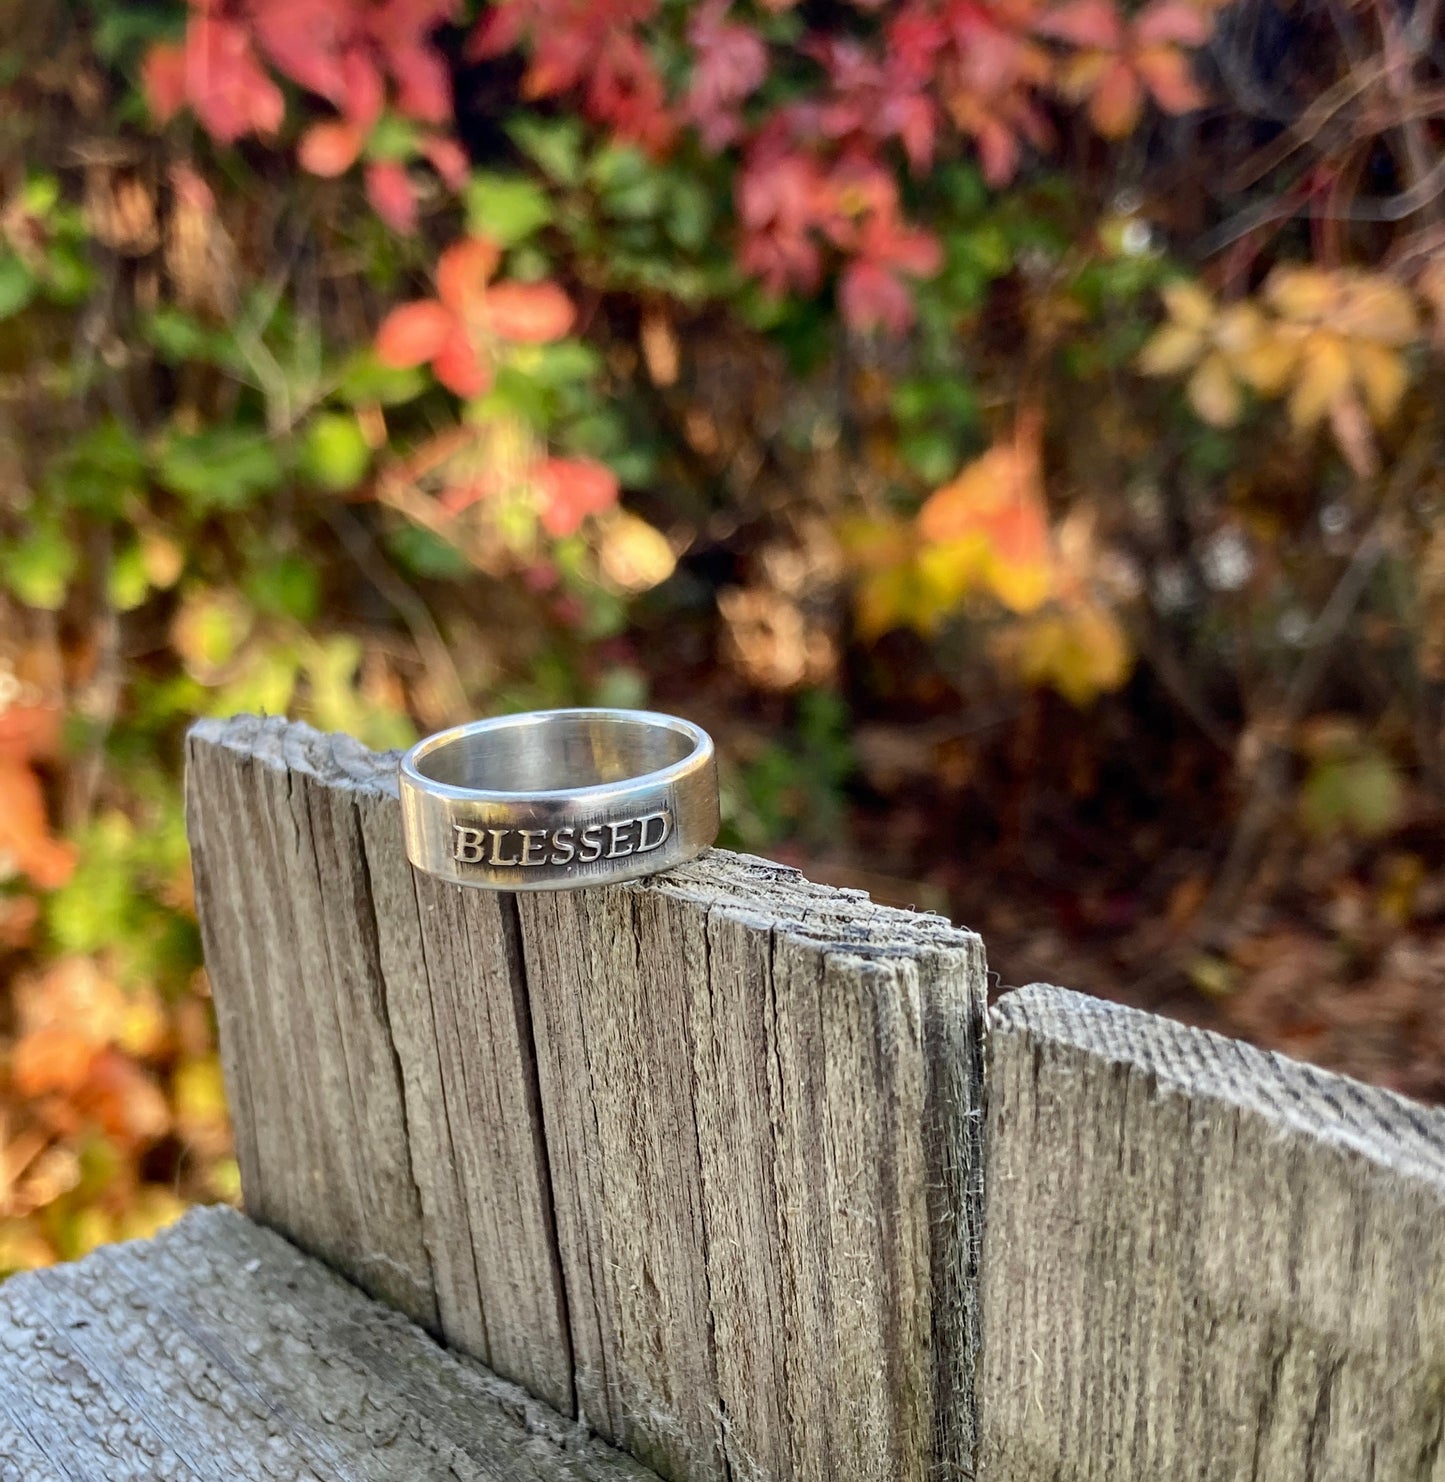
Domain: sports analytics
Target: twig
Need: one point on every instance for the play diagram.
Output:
(409, 607)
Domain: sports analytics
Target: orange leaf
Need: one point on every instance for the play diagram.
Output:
(529, 313)
(413, 333)
(29, 732)
(24, 834)
(572, 489)
(459, 368)
(1117, 101)
(52, 1060)
(1167, 75)
(330, 149)
(163, 80)
(125, 1101)
(463, 272)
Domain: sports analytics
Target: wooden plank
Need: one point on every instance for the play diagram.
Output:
(761, 1105)
(731, 1116)
(1203, 1261)
(376, 1045)
(218, 1350)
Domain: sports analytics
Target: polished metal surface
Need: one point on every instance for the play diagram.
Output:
(556, 799)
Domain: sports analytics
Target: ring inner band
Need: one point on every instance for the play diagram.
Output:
(566, 752)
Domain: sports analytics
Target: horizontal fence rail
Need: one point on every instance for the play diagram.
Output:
(218, 1351)
(694, 1159)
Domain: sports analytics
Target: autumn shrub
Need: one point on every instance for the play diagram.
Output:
(385, 362)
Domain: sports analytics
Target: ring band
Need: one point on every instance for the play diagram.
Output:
(555, 799)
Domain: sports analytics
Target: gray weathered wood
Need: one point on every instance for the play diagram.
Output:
(1202, 1261)
(696, 1157)
(217, 1350)
(384, 1106)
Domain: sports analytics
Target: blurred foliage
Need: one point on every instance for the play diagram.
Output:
(993, 417)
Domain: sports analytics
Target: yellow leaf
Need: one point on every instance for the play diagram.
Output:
(1380, 373)
(1324, 376)
(1375, 308)
(634, 555)
(1305, 294)
(1022, 586)
(1214, 393)
(1080, 651)
(1171, 349)
(1268, 364)
(1189, 305)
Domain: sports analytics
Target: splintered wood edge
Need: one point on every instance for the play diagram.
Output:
(217, 1338)
(773, 896)
(1389, 1130)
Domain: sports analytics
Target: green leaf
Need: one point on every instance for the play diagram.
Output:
(218, 469)
(427, 555)
(366, 382)
(179, 337)
(1360, 794)
(38, 568)
(690, 214)
(68, 274)
(100, 472)
(932, 455)
(394, 138)
(17, 285)
(555, 144)
(127, 584)
(506, 208)
(334, 454)
(629, 186)
(285, 587)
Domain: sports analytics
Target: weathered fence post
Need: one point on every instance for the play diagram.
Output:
(696, 1159)
(1202, 1261)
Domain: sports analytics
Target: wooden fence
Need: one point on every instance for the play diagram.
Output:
(724, 1167)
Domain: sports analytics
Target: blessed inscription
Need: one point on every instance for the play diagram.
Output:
(526, 848)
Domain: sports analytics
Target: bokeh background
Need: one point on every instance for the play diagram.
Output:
(1013, 427)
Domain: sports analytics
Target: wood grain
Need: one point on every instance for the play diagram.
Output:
(376, 1045)
(1203, 1261)
(218, 1350)
(697, 1157)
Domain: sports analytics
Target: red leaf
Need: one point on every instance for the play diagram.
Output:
(731, 61)
(498, 30)
(163, 80)
(230, 93)
(363, 93)
(459, 368)
(1086, 23)
(414, 333)
(24, 832)
(424, 85)
(390, 191)
(1173, 20)
(529, 313)
(306, 39)
(572, 489)
(330, 149)
(870, 296)
(448, 159)
(463, 272)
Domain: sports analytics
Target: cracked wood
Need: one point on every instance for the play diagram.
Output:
(218, 1350)
(1202, 1261)
(696, 1159)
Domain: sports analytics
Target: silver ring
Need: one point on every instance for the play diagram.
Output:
(556, 799)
